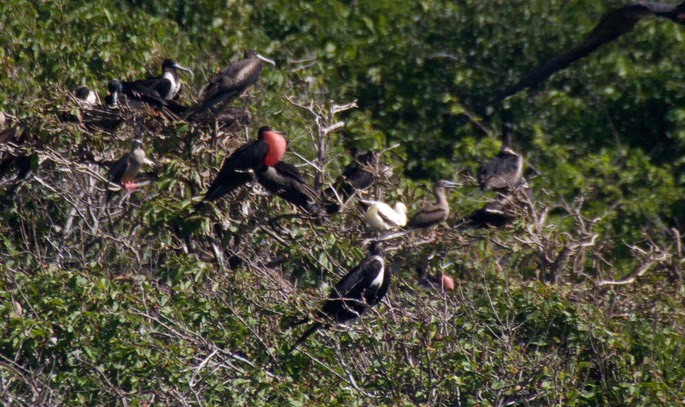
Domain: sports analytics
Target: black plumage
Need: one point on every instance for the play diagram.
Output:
(362, 288)
(505, 170)
(357, 176)
(167, 84)
(124, 170)
(433, 214)
(286, 181)
(234, 171)
(229, 83)
(613, 25)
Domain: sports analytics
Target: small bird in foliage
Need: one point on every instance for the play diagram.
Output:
(380, 216)
(613, 25)
(430, 282)
(267, 151)
(359, 175)
(230, 83)
(362, 288)
(431, 215)
(286, 181)
(124, 170)
(504, 171)
(86, 97)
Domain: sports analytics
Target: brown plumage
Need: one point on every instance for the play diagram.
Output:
(433, 214)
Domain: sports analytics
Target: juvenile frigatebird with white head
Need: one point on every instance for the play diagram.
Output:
(433, 214)
(86, 96)
(363, 287)
(267, 150)
(380, 216)
(230, 83)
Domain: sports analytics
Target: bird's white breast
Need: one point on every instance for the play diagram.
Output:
(175, 85)
(378, 281)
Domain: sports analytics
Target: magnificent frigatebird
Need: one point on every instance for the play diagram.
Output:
(428, 281)
(614, 24)
(230, 83)
(86, 96)
(124, 171)
(359, 175)
(499, 212)
(168, 83)
(362, 288)
(286, 181)
(380, 216)
(267, 150)
(433, 214)
(504, 171)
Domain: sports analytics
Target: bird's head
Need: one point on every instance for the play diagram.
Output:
(114, 86)
(376, 248)
(137, 143)
(251, 54)
(170, 64)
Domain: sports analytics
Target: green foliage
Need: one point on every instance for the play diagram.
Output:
(149, 302)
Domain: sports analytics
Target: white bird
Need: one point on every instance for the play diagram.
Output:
(380, 216)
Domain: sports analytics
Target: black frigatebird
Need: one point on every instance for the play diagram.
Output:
(286, 181)
(614, 24)
(359, 175)
(433, 214)
(362, 288)
(230, 83)
(124, 170)
(267, 150)
(499, 212)
(504, 171)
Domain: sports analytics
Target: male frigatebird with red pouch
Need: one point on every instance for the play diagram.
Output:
(267, 150)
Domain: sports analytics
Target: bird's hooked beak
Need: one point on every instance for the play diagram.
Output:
(267, 60)
(450, 184)
(183, 68)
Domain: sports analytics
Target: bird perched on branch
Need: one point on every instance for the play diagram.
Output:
(124, 170)
(358, 176)
(362, 288)
(433, 214)
(229, 83)
(613, 25)
(380, 216)
(87, 97)
(167, 84)
(267, 151)
(504, 171)
(286, 181)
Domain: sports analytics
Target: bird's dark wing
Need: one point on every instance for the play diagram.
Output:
(233, 173)
(119, 168)
(290, 171)
(136, 90)
(161, 85)
(613, 25)
(500, 172)
(427, 216)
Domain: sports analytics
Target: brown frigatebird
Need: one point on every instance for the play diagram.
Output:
(504, 171)
(286, 181)
(433, 214)
(363, 287)
(229, 83)
(267, 150)
(123, 172)
(613, 25)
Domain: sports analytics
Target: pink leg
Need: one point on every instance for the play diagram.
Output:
(129, 185)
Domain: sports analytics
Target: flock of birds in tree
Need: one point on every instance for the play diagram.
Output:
(367, 283)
